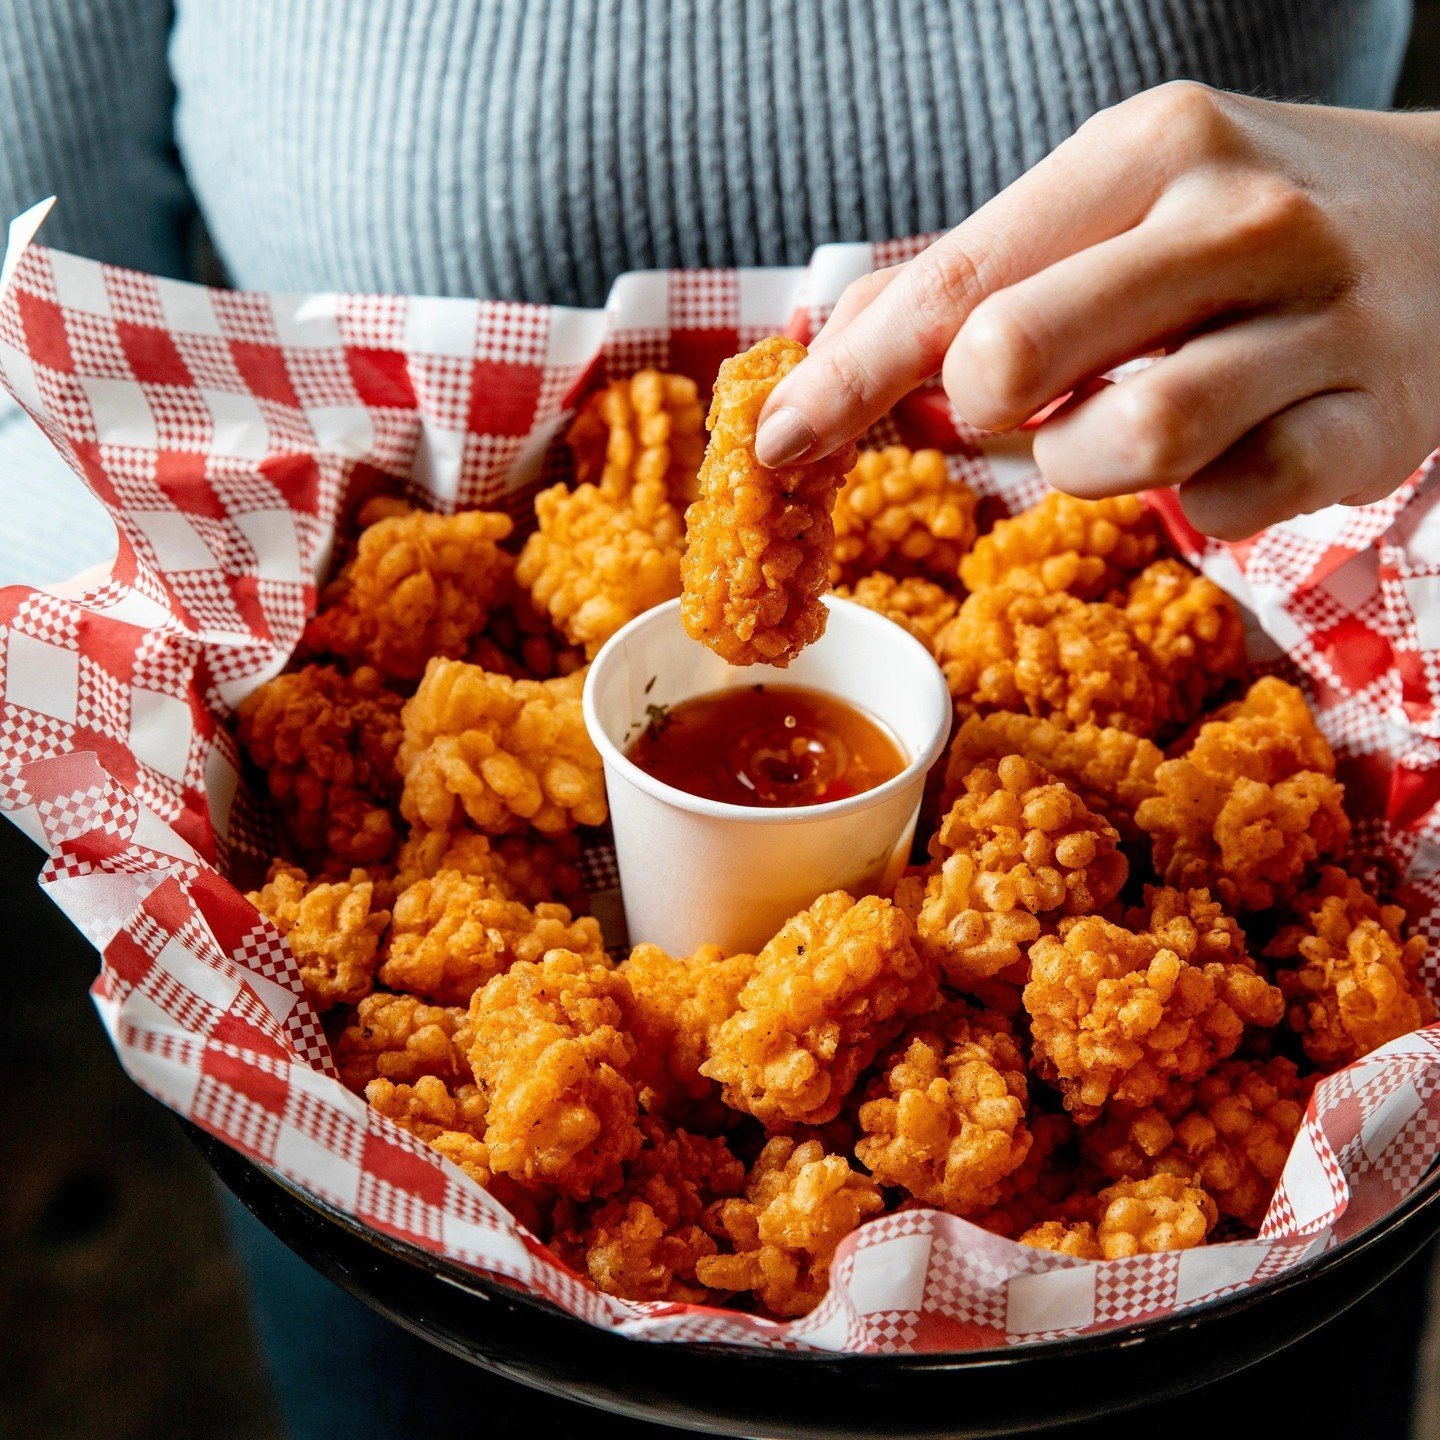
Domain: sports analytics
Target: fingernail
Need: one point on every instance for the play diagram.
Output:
(783, 438)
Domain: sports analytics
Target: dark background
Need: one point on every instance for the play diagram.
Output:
(123, 1314)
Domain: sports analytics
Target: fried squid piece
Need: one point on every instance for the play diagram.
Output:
(1132, 1217)
(799, 1204)
(1192, 627)
(334, 929)
(1111, 770)
(401, 1038)
(551, 1053)
(679, 1001)
(326, 744)
(452, 932)
(419, 585)
(945, 1117)
(521, 867)
(597, 561)
(1086, 547)
(1116, 1013)
(647, 430)
(900, 511)
(1252, 806)
(1015, 647)
(452, 1122)
(919, 606)
(835, 984)
(1033, 1190)
(1351, 978)
(759, 541)
(645, 1242)
(1016, 847)
(507, 753)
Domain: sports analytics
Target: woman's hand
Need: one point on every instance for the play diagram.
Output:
(1285, 257)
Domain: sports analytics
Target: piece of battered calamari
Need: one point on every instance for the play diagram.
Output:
(326, 745)
(835, 984)
(419, 585)
(799, 1204)
(1131, 1217)
(333, 926)
(507, 753)
(528, 868)
(758, 541)
(919, 606)
(401, 1038)
(900, 511)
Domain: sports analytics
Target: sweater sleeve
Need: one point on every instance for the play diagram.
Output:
(85, 114)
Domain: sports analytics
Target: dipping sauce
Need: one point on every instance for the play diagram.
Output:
(772, 746)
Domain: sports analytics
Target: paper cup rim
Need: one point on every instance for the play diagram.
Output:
(915, 770)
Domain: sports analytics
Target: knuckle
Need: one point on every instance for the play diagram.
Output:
(1269, 209)
(1182, 116)
(1002, 349)
(947, 287)
(1152, 433)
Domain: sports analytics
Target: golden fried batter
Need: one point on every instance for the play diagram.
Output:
(1015, 647)
(945, 1117)
(1352, 980)
(835, 984)
(450, 933)
(1017, 846)
(551, 1053)
(678, 1002)
(419, 585)
(451, 1122)
(645, 1242)
(1192, 627)
(401, 1038)
(596, 562)
(507, 753)
(919, 606)
(1252, 806)
(527, 868)
(333, 927)
(326, 744)
(799, 1204)
(1088, 547)
(759, 541)
(1111, 770)
(519, 640)
(1133, 1217)
(1118, 1014)
(900, 511)
(646, 430)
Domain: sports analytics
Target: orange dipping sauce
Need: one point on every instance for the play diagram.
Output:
(770, 746)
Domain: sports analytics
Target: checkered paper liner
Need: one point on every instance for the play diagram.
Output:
(223, 432)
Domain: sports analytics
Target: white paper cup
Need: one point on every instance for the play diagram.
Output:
(695, 870)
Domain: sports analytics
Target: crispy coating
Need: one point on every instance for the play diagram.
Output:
(401, 1038)
(507, 753)
(1118, 1014)
(645, 430)
(918, 606)
(1133, 1217)
(519, 640)
(679, 1001)
(835, 984)
(522, 867)
(900, 511)
(334, 929)
(1015, 647)
(419, 585)
(1086, 547)
(945, 1117)
(1016, 847)
(1352, 981)
(326, 745)
(551, 1053)
(1252, 806)
(1111, 770)
(759, 541)
(597, 561)
(799, 1204)
(1193, 628)
(452, 1122)
(1046, 1176)
(452, 932)
(645, 1242)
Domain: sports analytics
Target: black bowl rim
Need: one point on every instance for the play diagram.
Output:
(1425, 1195)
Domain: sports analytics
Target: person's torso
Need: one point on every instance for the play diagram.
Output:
(533, 149)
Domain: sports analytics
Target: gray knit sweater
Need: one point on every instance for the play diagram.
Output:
(534, 149)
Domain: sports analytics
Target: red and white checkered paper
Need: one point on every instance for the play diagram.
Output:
(223, 430)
